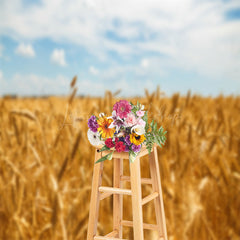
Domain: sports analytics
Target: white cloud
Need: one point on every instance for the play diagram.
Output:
(3, 56)
(32, 84)
(58, 57)
(93, 70)
(3, 82)
(188, 35)
(87, 86)
(144, 63)
(37, 85)
(111, 79)
(1, 50)
(1, 75)
(25, 50)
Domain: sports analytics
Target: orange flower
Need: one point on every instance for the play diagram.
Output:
(104, 129)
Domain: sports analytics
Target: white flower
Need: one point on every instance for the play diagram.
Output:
(138, 129)
(114, 114)
(111, 125)
(117, 121)
(121, 134)
(142, 107)
(94, 138)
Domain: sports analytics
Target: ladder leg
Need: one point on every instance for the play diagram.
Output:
(94, 204)
(136, 199)
(156, 183)
(117, 198)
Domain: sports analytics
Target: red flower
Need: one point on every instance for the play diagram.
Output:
(120, 147)
(109, 143)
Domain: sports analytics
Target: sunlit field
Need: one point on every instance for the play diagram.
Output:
(46, 165)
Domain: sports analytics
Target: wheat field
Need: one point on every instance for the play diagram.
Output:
(46, 166)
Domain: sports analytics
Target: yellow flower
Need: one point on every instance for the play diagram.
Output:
(104, 129)
(137, 139)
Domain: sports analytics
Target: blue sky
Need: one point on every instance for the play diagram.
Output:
(128, 45)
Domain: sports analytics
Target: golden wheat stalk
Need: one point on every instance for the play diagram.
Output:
(24, 113)
(73, 82)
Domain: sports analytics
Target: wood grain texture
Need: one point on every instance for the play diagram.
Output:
(135, 176)
(95, 195)
(158, 201)
(117, 198)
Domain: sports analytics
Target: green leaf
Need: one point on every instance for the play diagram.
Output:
(106, 157)
(132, 156)
(150, 139)
(109, 156)
(151, 124)
(104, 148)
(149, 147)
(155, 127)
(145, 119)
(138, 106)
(146, 126)
(157, 140)
(145, 116)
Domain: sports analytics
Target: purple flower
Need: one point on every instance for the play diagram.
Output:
(136, 148)
(118, 122)
(127, 140)
(126, 148)
(92, 123)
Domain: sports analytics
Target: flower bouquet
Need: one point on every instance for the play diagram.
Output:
(127, 130)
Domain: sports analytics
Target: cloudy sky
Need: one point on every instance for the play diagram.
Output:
(128, 44)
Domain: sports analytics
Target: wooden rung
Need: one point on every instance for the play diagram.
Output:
(143, 180)
(104, 195)
(145, 225)
(107, 238)
(112, 234)
(115, 190)
(149, 198)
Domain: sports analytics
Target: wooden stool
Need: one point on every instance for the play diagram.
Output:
(99, 193)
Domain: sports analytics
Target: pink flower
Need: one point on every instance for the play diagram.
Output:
(122, 108)
(140, 113)
(130, 120)
(141, 122)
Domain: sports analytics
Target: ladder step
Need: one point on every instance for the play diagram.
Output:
(115, 190)
(112, 234)
(145, 225)
(107, 238)
(149, 198)
(143, 180)
(104, 195)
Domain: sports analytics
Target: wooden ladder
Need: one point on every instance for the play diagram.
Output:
(100, 192)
